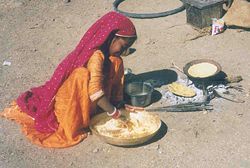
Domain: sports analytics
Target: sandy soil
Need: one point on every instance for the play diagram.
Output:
(36, 35)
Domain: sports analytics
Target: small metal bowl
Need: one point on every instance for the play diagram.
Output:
(139, 93)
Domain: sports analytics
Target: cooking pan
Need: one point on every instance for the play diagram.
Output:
(194, 62)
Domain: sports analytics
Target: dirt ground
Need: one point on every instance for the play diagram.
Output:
(36, 35)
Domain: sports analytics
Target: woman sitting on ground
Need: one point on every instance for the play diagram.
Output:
(57, 113)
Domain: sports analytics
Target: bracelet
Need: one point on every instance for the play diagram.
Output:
(115, 114)
(112, 112)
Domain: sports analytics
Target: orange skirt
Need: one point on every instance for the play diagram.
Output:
(72, 109)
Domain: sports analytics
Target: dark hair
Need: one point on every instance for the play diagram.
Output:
(129, 39)
(105, 47)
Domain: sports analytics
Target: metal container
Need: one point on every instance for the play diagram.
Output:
(139, 93)
(200, 12)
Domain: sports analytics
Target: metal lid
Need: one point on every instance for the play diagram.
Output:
(203, 3)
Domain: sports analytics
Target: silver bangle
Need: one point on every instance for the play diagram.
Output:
(112, 112)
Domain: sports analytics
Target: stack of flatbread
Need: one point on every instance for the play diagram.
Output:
(181, 90)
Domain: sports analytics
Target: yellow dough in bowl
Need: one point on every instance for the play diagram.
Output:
(136, 125)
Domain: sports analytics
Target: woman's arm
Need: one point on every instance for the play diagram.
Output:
(104, 103)
(96, 92)
(112, 111)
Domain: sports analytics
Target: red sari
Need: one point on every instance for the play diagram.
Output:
(42, 104)
(75, 102)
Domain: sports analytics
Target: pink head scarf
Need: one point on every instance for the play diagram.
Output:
(39, 102)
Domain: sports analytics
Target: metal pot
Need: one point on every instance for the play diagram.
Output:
(139, 93)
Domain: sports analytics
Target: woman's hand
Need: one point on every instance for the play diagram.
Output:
(111, 110)
(133, 108)
(116, 113)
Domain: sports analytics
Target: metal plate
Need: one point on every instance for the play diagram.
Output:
(194, 62)
(124, 141)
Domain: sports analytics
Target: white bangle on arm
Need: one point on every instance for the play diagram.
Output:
(115, 114)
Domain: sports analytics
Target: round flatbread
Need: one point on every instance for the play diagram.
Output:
(202, 70)
(181, 90)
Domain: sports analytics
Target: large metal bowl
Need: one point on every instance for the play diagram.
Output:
(139, 93)
(130, 141)
(188, 65)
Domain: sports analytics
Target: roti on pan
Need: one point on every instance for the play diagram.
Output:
(202, 70)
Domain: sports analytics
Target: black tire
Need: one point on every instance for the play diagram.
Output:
(147, 15)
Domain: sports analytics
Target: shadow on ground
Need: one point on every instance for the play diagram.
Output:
(156, 78)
